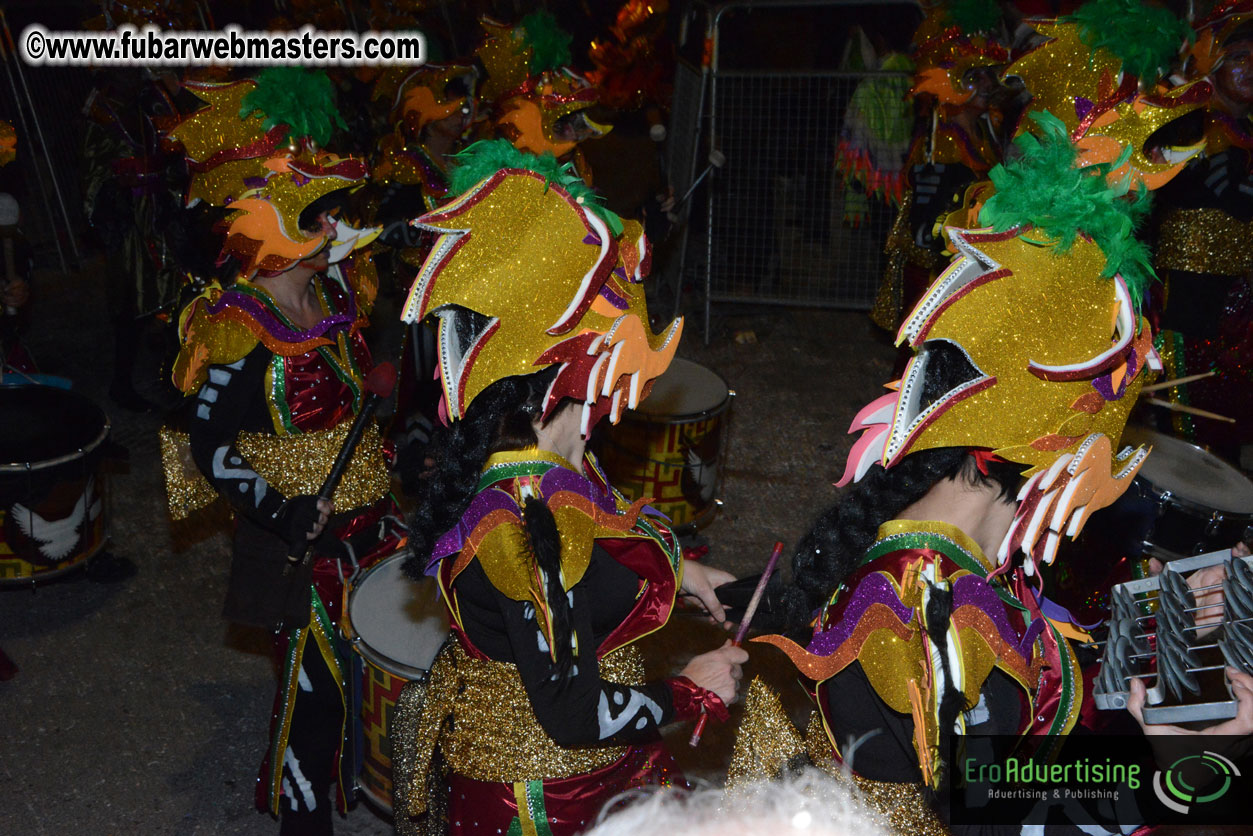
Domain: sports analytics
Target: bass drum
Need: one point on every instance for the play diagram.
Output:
(672, 447)
(397, 626)
(52, 499)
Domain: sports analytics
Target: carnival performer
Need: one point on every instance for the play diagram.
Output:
(276, 364)
(540, 708)
(1204, 247)
(1001, 437)
(958, 51)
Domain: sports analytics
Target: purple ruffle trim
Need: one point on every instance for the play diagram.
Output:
(270, 322)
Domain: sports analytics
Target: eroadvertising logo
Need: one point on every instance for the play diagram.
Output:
(1194, 780)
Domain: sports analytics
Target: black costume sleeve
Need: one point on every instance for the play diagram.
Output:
(580, 709)
(222, 409)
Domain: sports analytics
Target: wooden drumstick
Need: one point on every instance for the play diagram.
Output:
(749, 612)
(1191, 410)
(1178, 381)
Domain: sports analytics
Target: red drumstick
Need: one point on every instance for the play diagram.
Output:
(749, 612)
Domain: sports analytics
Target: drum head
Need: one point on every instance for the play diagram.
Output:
(39, 423)
(685, 389)
(1192, 474)
(396, 617)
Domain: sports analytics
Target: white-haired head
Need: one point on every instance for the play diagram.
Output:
(810, 803)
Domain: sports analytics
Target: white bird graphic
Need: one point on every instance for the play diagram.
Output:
(57, 538)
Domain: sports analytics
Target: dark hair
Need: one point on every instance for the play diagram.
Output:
(499, 418)
(839, 538)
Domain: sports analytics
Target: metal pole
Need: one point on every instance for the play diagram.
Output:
(56, 188)
(39, 180)
(712, 41)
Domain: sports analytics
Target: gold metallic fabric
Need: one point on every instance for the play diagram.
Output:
(493, 734)
(292, 464)
(766, 739)
(1204, 241)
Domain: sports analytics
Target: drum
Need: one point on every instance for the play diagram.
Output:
(1188, 500)
(1184, 501)
(397, 626)
(671, 448)
(52, 499)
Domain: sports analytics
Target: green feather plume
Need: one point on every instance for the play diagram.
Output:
(484, 158)
(1042, 188)
(1146, 39)
(548, 42)
(303, 100)
(973, 16)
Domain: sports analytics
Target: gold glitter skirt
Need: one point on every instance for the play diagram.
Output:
(292, 464)
(493, 734)
(1205, 241)
(767, 741)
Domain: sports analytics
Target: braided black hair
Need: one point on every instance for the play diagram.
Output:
(839, 538)
(499, 418)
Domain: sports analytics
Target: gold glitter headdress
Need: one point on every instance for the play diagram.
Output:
(256, 148)
(1078, 76)
(529, 272)
(1043, 304)
(1212, 34)
(429, 94)
(948, 46)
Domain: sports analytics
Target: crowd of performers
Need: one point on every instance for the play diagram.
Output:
(1029, 313)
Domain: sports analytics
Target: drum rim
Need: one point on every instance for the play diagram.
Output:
(43, 464)
(1149, 436)
(685, 417)
(376, 657)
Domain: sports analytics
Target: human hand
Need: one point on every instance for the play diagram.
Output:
(302, 519)
(719, 671)
(700, 582)
(1169, 742)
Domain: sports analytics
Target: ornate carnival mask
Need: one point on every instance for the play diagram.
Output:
(529, 272)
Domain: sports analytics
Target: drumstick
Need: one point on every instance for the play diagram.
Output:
(1178, 381)
(1191, 410)
(749, 612)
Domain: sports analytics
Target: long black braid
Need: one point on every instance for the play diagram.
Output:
(499, 418)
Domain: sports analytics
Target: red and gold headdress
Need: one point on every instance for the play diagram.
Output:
(1097, 72)
(530, 272)
(538, 101)
(1213, 32)
(952, 40)
(1043, 303)
(257, 149)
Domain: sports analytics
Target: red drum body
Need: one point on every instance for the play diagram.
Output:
(52, 499)
(397, 626)
(672, 447)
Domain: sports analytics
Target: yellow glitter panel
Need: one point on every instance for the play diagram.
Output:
(1204, 241)
(186, 490)
(515, 249)
(1063, 69)
(507, 66)
(218, 126)
(1052, 309)
(293, 465)
(765, 740)
(494, 735)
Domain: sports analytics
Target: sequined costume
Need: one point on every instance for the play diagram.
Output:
(1204, 249)
(273, 403)
(526, 750)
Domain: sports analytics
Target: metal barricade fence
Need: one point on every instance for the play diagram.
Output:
(774, 228)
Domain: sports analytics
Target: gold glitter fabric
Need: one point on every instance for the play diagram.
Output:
(897, 808)
(477, 711)
(1204, 241)
(408, 783)
(766, 739)
(551, 284)
(292, 464)
(186, 490)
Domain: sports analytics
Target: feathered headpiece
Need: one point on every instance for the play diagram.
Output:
(257, 149)
(1043, 302)
(530, 271)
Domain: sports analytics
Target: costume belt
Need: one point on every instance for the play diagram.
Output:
(292, 464)
(494, 735)
(1205, 241)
